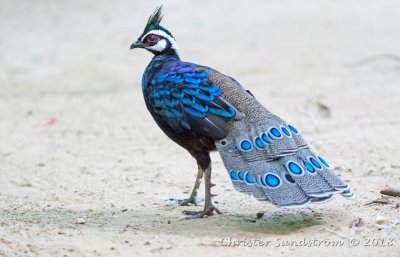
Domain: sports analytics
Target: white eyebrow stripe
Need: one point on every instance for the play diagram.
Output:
(163, 34)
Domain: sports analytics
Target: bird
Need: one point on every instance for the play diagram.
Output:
(203, 110)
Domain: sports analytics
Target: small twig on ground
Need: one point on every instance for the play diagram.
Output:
(378, 202)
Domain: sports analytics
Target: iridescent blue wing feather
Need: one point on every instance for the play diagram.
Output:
(187, 99)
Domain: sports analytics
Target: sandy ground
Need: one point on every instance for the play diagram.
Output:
(77, 143)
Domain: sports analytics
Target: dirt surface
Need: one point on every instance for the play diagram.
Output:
(84, 170)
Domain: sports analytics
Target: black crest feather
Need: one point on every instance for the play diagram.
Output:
(154, 21)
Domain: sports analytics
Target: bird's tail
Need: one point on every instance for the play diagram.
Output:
(273, 163)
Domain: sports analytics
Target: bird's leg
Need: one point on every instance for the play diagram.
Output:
(209, 207)
(193, 195)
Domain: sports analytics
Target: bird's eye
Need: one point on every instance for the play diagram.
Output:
(152, 39)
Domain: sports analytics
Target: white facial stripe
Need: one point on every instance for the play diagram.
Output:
(163, 34)
(159, 47)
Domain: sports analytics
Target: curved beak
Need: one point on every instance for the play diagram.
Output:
(137, 44)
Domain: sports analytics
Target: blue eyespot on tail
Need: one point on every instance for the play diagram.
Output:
(275, 132)
(249, 178)
(259, 143)
(323, 161)
(272, 180)
(315, 163)
(285, 131)
(294, 168)
(309, 167)
(293, 129)
(233, 174)
(245, 145)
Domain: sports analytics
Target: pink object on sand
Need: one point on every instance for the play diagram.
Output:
(52, 121)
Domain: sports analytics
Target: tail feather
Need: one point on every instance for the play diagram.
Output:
(274, 163)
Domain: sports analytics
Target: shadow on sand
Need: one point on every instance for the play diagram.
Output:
(167, 221)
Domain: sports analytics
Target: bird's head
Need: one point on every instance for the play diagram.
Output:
(156, 38)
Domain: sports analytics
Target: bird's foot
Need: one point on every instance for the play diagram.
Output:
(185, 202)
(188, 201)
(208, 211)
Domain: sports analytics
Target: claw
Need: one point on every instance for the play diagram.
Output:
(208, 211)
(188, 201)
